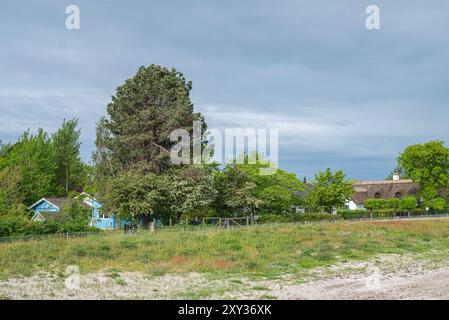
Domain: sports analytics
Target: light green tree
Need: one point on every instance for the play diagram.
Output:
(330, 189)
(270, 193)
(428, 165)
(28, 168)
(436, 204)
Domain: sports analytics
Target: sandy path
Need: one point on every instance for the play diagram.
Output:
(432, 284)
(391, 277)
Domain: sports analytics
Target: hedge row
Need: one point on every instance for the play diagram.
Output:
(18, 226)
(346, 215)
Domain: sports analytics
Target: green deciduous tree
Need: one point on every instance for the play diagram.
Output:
(244, 188)
(330, 189)
(31, 161)
(235, 192)
(436, 204)
(131, 194)
(428, 165)
(189, 192)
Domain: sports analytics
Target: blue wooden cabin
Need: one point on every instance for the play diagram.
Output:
(46, 207)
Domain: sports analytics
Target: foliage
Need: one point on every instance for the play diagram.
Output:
(393, 203)
(408, 203)
(133, 171)
(30, 161)
(16, 210)
(243, 189)
(76, 211)
(189, 191)
(131, 194)
(436, 204)
(70, 173)
(295, 217)
(39, 165)
(142, 115)
(330, 189)
(382, 204)
(428, 165)
(23, 226)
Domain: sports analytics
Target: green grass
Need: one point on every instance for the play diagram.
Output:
(260, 251)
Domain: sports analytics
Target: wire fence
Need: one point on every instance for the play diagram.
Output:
(208, 224)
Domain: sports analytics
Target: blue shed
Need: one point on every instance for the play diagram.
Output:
(47, 206)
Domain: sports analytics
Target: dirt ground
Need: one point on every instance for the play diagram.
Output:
(389, 277)
(433, 285)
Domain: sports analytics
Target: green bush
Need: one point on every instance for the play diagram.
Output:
(297, 217)
(21, 226)
(409, 203)
(393, 203)
(437, 204)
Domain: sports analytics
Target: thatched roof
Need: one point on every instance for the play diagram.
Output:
(383, 189)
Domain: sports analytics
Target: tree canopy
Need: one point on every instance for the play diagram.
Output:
(134, 173)
(428, 165)
(330, 189)
(40, 165)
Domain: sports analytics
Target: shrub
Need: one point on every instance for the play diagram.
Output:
(5, 229)
(408, 203)
(393, 203)
(436, 204)
(297, 217)
(21, 226)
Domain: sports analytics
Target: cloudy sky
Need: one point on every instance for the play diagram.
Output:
(341, 96)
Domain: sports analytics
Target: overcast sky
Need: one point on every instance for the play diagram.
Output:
(341, 96)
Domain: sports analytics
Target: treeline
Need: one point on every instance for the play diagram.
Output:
(41, 164)
(134, 177)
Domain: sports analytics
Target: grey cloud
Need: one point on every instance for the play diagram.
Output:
(343, 96)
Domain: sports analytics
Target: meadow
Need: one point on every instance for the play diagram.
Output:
(256, 251)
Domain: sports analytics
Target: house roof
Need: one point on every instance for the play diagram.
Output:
(56, 202)
(383, 189)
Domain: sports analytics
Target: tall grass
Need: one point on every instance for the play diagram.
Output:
(264, 250)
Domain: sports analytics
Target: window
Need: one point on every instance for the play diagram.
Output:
(398, 195)
(377, 195)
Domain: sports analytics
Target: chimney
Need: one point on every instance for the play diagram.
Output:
(396, 177)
